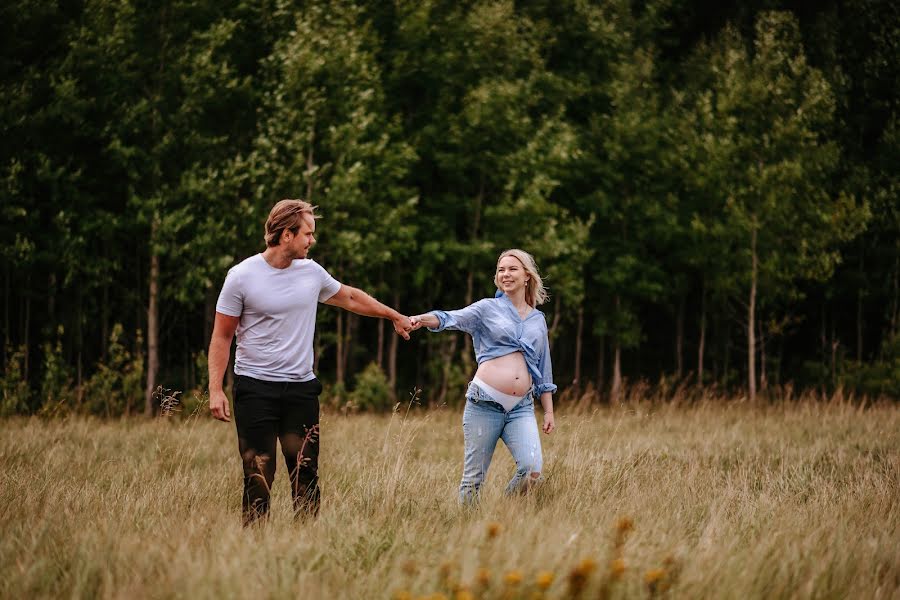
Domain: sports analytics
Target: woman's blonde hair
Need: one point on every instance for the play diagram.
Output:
(286, 214)
(535, 292)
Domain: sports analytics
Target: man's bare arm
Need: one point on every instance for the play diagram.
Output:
(219, 350)
(361, 303)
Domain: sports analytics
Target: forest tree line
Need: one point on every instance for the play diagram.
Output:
(711, 193)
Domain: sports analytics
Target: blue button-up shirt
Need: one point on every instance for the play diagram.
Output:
(497, 330)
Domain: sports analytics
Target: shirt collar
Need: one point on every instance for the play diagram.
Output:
(505, 299)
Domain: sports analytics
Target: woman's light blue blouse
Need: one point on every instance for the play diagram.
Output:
(497, 330)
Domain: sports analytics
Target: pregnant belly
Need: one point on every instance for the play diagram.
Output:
(507, 374)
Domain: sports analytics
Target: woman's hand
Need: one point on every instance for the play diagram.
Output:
(549, 424)
(426, 320)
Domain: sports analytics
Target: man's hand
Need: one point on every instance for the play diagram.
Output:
(218, 406)
(549, 425)
(402, 326)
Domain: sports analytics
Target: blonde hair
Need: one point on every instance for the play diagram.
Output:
(286, 214)
(535, 292)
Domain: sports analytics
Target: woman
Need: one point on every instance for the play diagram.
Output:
(513, 353)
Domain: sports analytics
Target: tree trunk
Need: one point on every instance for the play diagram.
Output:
(152, 325)
(392, 353)
(702, 345)
(895, 302)
(763, 378)
(446, 360)
(579, 332)
(26, 328)
(823, 334)
(679, 338)
(615, 392)
(209, 316)
(339, 350)
(859, 308)
(6, 297)
(51, 300)
(104, 322)
(310, 167)
(470, 278)
(350, 366)
(834, 348)
(557, 314)
(751, 324)
(379, 352)
(79, 342)
(601, 365)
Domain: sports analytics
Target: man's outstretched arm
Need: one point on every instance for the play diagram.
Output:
(359, 302)
(219, 350)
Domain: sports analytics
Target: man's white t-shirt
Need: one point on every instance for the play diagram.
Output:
(277, 308)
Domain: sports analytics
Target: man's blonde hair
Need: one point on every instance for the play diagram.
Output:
(535, 292)
(286, 215)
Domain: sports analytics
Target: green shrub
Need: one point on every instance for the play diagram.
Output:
(876, 378)
(13, 386)
(116, 387)
(58, 393)
(372, 391)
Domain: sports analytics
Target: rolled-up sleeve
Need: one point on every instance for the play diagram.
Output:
(465, 319)
(545, 367)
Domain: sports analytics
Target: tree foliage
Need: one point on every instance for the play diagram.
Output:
(711, 183)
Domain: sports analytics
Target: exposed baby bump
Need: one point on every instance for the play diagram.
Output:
(508, 374)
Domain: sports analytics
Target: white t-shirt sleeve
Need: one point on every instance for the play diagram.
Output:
(329, 286)
(231, 298)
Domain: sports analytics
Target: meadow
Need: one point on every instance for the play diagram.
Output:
(710, 499)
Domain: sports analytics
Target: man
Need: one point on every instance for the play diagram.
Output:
(270, 300)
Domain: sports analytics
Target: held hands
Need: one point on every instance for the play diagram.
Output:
(402, 326)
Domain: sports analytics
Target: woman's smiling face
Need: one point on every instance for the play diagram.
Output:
(511, 276)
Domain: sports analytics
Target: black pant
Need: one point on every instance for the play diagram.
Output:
(268, 410)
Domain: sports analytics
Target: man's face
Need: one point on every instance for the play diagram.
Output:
(305, 238)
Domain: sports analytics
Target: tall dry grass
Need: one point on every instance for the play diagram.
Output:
(707, 500)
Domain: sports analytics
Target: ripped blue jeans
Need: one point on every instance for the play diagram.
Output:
(485, 422)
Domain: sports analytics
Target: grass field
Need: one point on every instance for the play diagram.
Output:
(712, 500)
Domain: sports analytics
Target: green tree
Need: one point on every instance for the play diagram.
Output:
(767, 114)
(328, 137)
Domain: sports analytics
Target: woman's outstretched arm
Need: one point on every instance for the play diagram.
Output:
(427, 320)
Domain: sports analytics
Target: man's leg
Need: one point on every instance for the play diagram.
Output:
(256, 420)
(299, 433)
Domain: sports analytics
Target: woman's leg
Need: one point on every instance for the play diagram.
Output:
(521, 437)
(482, 426)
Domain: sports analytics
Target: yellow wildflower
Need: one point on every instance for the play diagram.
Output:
(545, 579)
(513, 578)
(616, 569)
(493, 530)
(464, 594)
